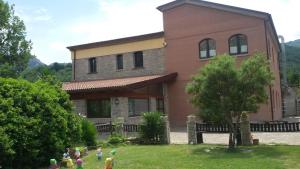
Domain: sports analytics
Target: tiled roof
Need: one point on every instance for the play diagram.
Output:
(116, 83)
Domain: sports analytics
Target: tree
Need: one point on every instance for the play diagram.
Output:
(14, 48)
(37, 123)
(222, 91)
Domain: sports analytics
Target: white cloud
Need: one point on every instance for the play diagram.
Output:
(33, 15)
(119, 19)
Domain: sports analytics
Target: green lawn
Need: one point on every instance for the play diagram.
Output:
(199, 157)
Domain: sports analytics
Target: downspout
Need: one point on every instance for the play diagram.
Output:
(270, 88)
(74, 65)
(283, 59)
(284, 83)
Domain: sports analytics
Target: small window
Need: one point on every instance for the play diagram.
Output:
(207, 48)
(238, 44)
(119, 62)
(160, 105)
(137, 106)
(93, 65)
(98, 108)
(138, 59)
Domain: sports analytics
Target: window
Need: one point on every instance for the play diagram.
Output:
(119, 62)
(238, 44)
(137, 106)
(98, 108)
(92, 65)
(207, 48)
(138, 59)
(160, 105)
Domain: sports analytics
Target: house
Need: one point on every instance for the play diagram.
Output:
(124, 77)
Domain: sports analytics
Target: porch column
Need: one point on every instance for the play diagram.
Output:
(153, 104)
(119, 107)
(80, 107)
(166, 99)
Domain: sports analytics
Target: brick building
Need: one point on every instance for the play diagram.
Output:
(124, 77)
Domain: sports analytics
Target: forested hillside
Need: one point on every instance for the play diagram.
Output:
(37, 70)
(293, 62)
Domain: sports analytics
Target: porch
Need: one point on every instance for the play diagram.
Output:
(103, 101)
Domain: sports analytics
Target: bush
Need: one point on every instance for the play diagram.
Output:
(37, 123)
(152, 127)
(89, 133)
(115, 139)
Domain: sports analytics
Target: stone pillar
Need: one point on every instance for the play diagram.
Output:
(191, 129)
(119, 124)
(245, 129)
(152, 104)
(80, 107)
(166, 135)
(119, 107)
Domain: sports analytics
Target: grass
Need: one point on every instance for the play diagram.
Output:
(199, 157)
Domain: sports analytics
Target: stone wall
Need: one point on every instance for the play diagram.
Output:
(119, 108)
(153, 60)
(80, 107)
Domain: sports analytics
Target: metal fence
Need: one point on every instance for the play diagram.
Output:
(255, 127)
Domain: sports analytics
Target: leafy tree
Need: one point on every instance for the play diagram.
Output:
(37, 123)
(14, 48)
(61, 71)
(222, 91)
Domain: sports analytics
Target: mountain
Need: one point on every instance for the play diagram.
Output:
(295, 43)
(38, 70)
(292, 50)
(35, 62)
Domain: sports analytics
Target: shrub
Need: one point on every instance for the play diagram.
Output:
(152, 127)
(37, 123)
(115, 139)
(89, 133)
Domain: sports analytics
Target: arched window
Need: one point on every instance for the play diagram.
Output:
(207, 48)
(238, 44)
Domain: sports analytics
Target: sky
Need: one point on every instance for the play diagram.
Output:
(52, 25)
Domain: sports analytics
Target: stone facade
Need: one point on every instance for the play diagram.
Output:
(107, 67)
(119, 109)
(80, 107)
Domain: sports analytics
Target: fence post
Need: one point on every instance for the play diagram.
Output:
(191, 129)
(245, 129)
(166, 135)
(119, 124)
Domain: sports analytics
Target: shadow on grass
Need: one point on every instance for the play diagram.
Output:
(222, 152)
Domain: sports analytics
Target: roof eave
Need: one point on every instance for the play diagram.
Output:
(118, 41)
(213, 5)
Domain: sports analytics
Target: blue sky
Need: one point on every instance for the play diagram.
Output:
(52, 25)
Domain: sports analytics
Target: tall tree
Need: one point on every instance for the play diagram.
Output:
(14, 48)
(222, 91)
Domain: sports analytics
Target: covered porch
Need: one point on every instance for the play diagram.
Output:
(103, 101)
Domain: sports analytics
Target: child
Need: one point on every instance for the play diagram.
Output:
(99, 153)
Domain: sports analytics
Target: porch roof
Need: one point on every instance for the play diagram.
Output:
(104, 84)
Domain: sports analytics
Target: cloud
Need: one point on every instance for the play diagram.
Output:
(33, 15)
(119, 19)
